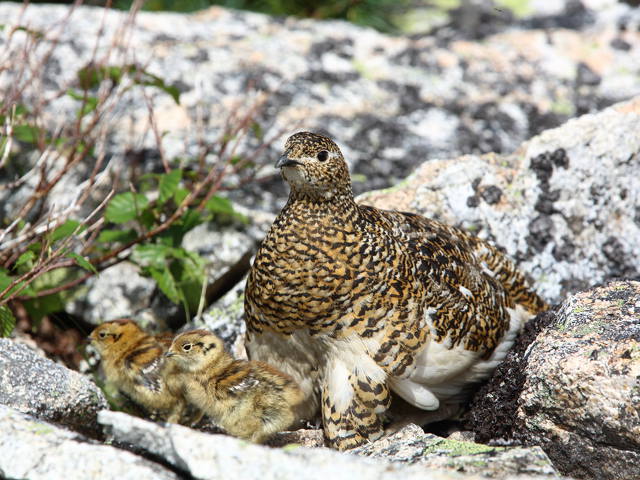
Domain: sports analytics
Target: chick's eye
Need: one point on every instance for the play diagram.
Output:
(102, 334)
(322, 155)
(186, 347)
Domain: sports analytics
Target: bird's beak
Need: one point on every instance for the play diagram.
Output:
(169, 354)
(285, 161)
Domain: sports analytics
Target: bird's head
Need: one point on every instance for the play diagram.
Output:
(192, 350)
(113, 333)
(314, 167)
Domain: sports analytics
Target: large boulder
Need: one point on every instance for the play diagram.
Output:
(206, 456)
(37, 386)
(573, 387)
(39, 450)
(412, 446)
(392, 102)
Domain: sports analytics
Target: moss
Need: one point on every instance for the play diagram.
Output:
(40, 429)
(358, 178)
(291, 446)
(520, 8)
(592, 327)
(563, 106)
(455, 448)
(364, 71)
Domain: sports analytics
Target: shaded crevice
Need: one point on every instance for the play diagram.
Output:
(492, 411)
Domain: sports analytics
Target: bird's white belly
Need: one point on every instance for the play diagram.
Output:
(443, 374)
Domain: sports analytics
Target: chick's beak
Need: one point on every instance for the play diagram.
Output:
(170, 354)
(285, 161)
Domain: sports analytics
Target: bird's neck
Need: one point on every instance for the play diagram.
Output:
(314, 201)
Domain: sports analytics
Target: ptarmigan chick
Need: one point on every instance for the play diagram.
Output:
(133, 361)
(353, 301)
(250, 400)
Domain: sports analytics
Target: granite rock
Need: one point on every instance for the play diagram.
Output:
(205, 456)
(412, 446)
(119, 291)
(391, 102)
(39, 450)
(575, 388)
(37, 386)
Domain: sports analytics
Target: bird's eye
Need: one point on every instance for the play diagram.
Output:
(102, 334)
(186, 347)
(322, 155)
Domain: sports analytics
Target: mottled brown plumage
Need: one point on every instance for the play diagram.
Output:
(250, 400)
(353, 301)
(133, 361)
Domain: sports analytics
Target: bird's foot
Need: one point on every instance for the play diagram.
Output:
(353, 408)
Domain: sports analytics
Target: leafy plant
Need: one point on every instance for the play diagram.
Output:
(47, 251)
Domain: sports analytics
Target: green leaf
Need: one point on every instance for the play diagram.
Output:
(37, 34)
(66, 229)
(218, 204)
(90, 103)
(82, 262)
(168, 184)
(166, 283)
(7, 321)
(125, 207)
(147, 218)
(256, 128)
(6, 280)
(175, 233)
(26, 133)
(154, 255)
(35, 247)
(91, 76)
(123, 236)
(150, 80)
(190, 219)
(26, 258)
(180, 195)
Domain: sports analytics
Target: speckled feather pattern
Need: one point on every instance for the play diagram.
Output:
(391, 281)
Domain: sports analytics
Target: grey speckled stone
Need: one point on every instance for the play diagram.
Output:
(392, 102)
(411, 445)
(575, 389)
(36, 450)
(119, 291)
(206, 456)
(37, 386)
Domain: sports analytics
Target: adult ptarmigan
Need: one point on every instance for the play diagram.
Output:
(354, 302)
